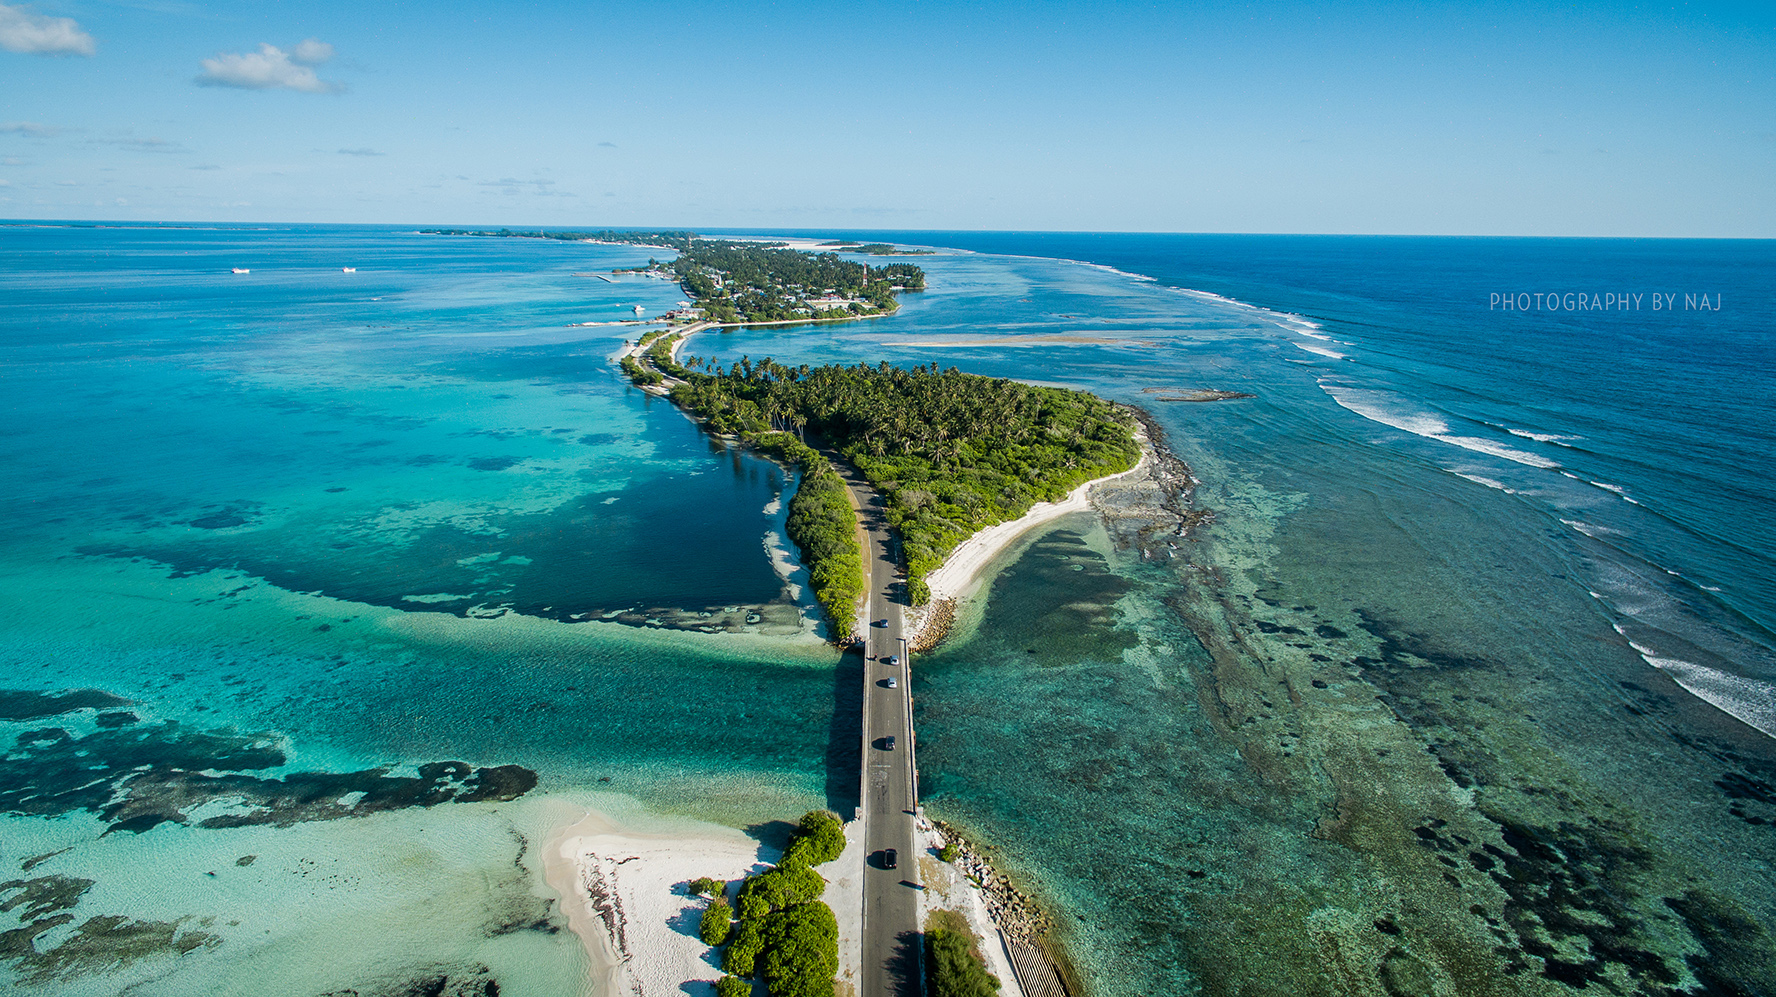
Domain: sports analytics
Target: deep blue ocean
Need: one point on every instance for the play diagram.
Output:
(1467, 684)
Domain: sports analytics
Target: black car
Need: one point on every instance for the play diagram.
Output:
(890, 742)
(890, 858)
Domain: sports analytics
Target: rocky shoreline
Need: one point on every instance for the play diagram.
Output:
(1015, 912)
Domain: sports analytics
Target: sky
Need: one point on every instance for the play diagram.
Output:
(1574, 119)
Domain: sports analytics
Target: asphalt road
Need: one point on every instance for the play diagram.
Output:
(891, 939)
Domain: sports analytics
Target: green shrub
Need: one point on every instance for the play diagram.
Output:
(732, 986)
(717, 923)
(819, 839)
(801, 951)
(952, 970)
(778, 888)
(745, 945)
(949, 851)
(707, 887)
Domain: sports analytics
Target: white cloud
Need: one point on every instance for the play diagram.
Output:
(539, 188)
(312, 52)
(24, 30)
(30, 128)
(143, 144)
(270, 68)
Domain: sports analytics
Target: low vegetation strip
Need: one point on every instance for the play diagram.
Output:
(667, 240)
(821, 522)
(954, 967)
(952, 453)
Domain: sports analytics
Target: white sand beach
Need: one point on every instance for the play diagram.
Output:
(959, 572)
(623, 891)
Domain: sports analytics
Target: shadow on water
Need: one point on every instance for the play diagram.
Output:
(772, 833)
(844, 756)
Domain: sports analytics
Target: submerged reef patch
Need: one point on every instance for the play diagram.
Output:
(474, 980)
(136, 776)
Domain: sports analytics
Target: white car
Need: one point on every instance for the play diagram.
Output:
(892, 659)
(893, 682)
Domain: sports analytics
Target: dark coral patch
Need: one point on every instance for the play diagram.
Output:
(139, 777)
(19, 705)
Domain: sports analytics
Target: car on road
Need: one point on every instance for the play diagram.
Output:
(893, 682)
(892, 659)
(880, 623)
(889, 741)
(890, 858)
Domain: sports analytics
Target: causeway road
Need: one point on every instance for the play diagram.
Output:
(891, 937)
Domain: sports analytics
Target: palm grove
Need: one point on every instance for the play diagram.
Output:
(953, 453)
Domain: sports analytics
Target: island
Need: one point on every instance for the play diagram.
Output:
(931, 470)
(737, 282)
(952, 453)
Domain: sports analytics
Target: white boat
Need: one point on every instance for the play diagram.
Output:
(348, 269)
(242, 270)
(639, 310)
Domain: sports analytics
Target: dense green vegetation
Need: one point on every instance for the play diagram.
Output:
(717, 923)
(783, 886)
(639, 374)
(952, 969)
(732, 986)
(953, 453)
(707, 887)
(749, 282)
(820, 838)
(786, 935)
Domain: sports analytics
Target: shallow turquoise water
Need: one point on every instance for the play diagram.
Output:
(1379, 726)
(370, 521)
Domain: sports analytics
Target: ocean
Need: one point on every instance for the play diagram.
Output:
(1466, 686)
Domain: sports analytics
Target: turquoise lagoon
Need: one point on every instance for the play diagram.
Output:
(1428, 705)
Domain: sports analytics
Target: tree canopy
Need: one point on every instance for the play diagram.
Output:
(953, 453)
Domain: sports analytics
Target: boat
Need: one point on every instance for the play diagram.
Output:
(348, 269)
(242, 270)
(639, 310)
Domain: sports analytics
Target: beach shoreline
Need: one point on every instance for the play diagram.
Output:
(962, 570)
(623, 891)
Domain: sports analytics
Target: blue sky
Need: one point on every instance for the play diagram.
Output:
(1519, 118)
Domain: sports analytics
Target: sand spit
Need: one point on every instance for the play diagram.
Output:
(624, 893)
